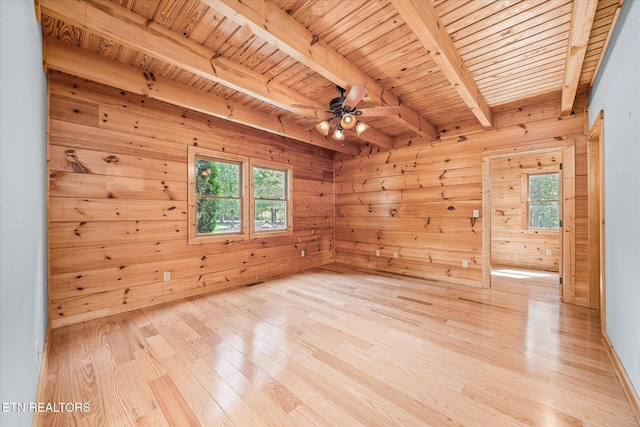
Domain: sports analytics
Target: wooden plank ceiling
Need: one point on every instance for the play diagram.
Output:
(446, 63)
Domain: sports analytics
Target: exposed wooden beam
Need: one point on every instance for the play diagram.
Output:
(424, 21)
(275, 26)
(581, 21)
(64, 57)
(107, 19)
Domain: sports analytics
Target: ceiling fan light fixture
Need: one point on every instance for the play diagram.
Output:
(323, 127)
(348, 121)
(345, 113)
(338, 134)
(360, 127)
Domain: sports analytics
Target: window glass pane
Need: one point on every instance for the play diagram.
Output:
(544, 200)
(270, 215)
(544, 187)
(215, 178)
(269, 183)
(218, 215)
(206, 215)
(544, 215)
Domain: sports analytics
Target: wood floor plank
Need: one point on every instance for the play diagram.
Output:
(141, 400)
(195, 394)
(110, 390)
(172, 403)
(235, 408)
(244, 387)
(340, 346)
(525, 411)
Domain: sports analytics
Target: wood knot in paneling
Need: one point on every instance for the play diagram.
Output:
(75, 164)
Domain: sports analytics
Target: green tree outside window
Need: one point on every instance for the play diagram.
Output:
(219, 199)
(544, 200)
(270, 197)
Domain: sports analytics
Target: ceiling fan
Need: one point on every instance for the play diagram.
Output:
(345, 113)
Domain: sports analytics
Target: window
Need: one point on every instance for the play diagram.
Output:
(218, 195)
(222, 199)
(544, 200)
(270, 198)
(218, 188)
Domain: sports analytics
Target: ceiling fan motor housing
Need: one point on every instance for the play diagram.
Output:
(335, 104)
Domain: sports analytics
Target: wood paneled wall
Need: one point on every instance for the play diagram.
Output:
(414, 204)
(118, 203)
(512, 242)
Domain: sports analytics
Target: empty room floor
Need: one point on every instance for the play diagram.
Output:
(337, 346)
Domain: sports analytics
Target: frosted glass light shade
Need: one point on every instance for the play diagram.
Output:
(338, 134)
(323, 127)
(348, 121)
(361, 127)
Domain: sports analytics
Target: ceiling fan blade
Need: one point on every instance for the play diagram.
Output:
(355, 96)
(380, 111)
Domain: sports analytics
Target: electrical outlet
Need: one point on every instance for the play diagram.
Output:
(302, 253)
(548, 251)
(476, 213)
(377, 253)
(395, 254)
(465, 263)
(167, 276)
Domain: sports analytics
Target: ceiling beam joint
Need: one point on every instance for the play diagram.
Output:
(79, 62)
(275, 26)
(582, 15)
(422, 18)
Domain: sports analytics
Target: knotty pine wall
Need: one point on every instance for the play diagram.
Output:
(118, 203)
(417, 201)
(512, 242)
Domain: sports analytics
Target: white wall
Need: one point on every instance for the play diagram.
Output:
(617, 93)
(22, 207)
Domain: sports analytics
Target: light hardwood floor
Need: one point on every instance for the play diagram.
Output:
(339, 347)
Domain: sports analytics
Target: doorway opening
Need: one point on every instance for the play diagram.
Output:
(528, 200)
